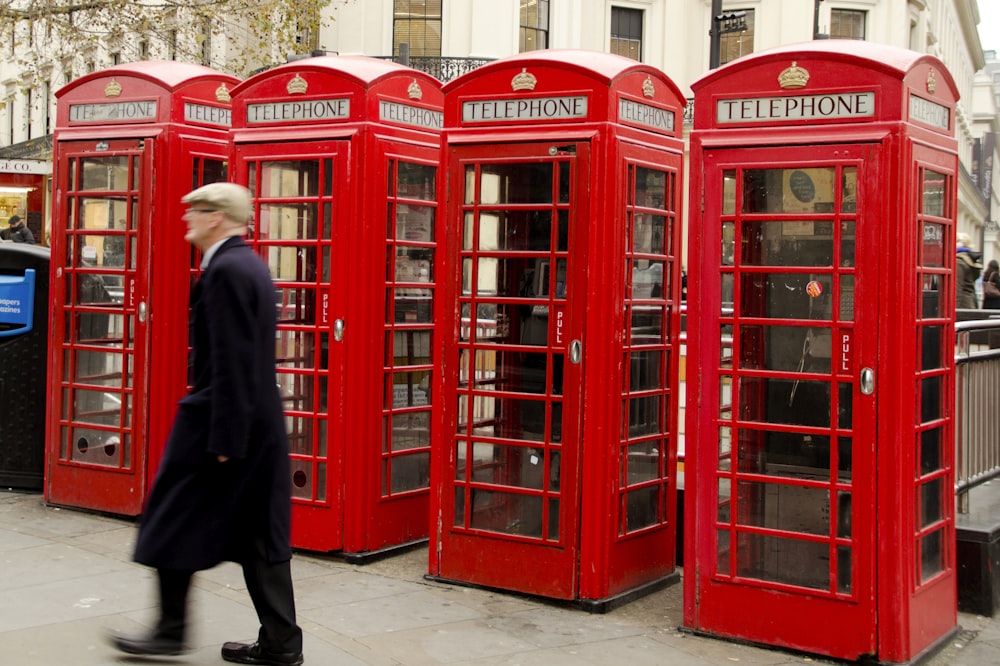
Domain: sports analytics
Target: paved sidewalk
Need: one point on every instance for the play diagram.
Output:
(66, 578)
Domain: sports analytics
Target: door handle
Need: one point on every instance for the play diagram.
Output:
(867, 381)
(338, 330)
(575, 352)
(142, 312)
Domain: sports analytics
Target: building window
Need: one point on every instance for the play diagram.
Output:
(534, 25)
(626, 32)
(116, 58)
(47, 106)
(143, 49)
(29, 103)
(847, 24)
(737, 43)
(206, 42)
(416, 28)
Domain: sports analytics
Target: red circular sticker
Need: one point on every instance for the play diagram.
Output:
(814, 288)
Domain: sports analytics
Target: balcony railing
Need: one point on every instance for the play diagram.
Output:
(442, 69)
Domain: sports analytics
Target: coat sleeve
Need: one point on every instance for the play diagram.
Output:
(232, 329)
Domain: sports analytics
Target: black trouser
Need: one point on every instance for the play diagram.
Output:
(270, 588)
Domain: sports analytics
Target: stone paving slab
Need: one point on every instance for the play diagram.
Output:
(66, 578)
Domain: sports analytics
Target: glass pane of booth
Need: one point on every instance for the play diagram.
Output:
(409, 325)
(514, 263)
(787, 266)
(97, 356)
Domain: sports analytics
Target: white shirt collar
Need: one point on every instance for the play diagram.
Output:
(210, 252)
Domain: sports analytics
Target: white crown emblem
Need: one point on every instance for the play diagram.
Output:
(523, 80)
(222, 94)
(931, 82)
(113, 89)
(793, 77)
(647, 88)
(297, 86)
(415, 91)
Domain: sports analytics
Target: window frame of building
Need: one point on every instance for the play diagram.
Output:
(626, 34)
(848, 23)
(733, 45)
(417, 18)
(533, 17)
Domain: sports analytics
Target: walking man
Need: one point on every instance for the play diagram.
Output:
(222, 491)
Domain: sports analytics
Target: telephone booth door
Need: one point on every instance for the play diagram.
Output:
(516, 437)
(793, 514)
(101, 328)
(299, 231)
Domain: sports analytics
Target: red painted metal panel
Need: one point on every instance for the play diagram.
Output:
(123, 157)
(559, 314)
(793, 467)
(341, 154)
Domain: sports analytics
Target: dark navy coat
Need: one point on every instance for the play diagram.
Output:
(200, 511)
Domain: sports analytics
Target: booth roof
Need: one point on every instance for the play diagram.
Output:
(169, 74)
(606, 66)
(364, 69)
(892, 60)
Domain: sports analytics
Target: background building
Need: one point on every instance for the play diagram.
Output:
(449, 37)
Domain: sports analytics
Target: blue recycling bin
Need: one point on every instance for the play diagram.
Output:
(24, 331)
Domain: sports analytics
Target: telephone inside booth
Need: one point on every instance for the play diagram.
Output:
(793, 267)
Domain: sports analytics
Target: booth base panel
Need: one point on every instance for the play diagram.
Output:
(370, 556)
(977, 553)
(595, 606)
(928, 653)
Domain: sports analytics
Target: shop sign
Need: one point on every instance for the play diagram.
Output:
(40, 167)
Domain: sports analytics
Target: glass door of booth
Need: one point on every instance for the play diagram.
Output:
(790, 487)
(300, 193)
(100, 325)
(510, 514)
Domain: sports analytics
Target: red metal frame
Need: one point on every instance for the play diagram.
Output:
(844, 458)
(571, 160)
(118, 255)
(341, 154)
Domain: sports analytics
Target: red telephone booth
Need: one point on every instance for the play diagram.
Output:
(341, 154)
(822, 303)
(129, 142)
(560, 293)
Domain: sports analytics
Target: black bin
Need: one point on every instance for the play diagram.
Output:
(24, 334)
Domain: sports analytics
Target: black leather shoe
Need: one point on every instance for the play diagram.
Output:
(253, 653)
(148, 644)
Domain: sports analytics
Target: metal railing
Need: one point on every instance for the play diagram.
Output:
(977, 412)
(441, 68)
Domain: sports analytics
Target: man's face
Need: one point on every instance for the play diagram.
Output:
(201, 224)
